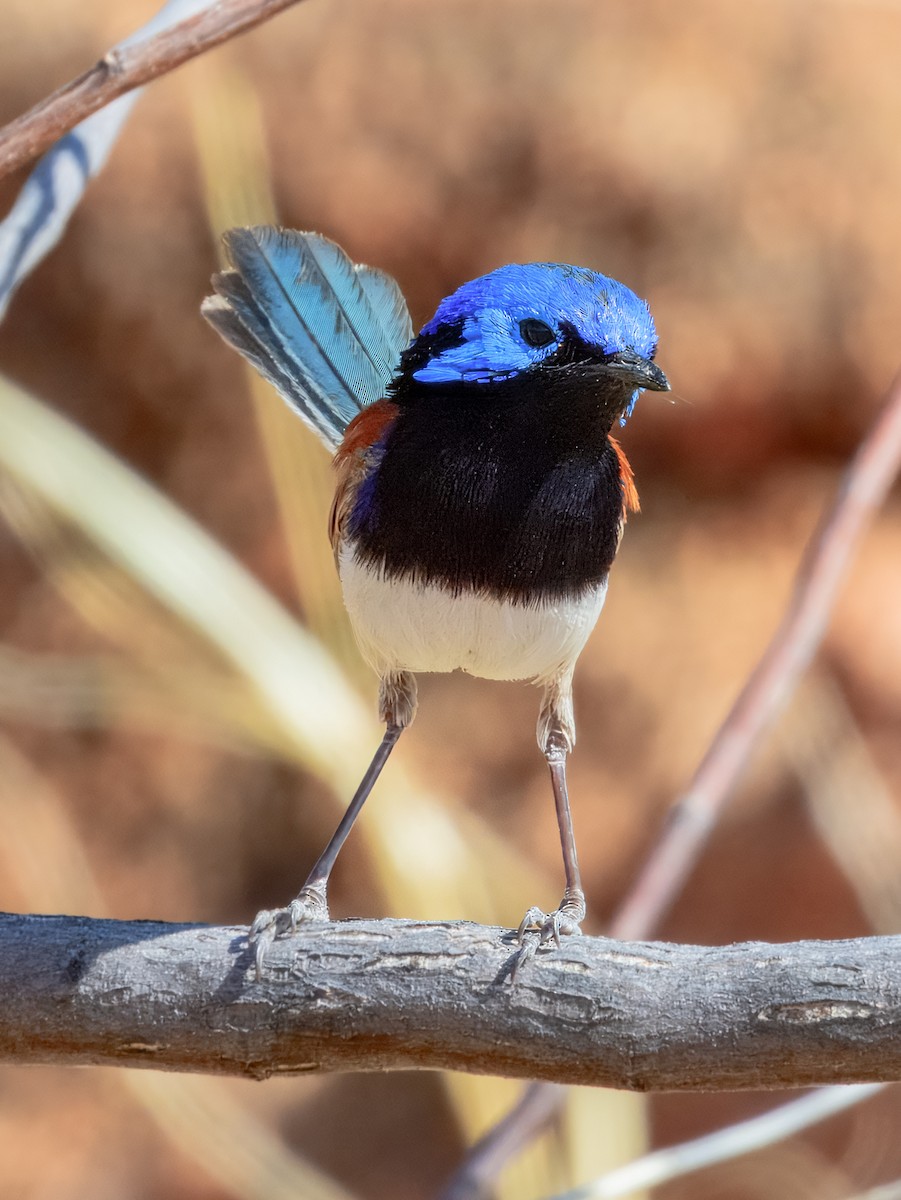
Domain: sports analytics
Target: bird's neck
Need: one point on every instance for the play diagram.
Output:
(568, 405)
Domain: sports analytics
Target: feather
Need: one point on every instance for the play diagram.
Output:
(328, 334)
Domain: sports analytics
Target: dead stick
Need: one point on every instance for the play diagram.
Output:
(124, 68)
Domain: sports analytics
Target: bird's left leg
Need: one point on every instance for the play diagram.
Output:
(397, 707)
(556, 737)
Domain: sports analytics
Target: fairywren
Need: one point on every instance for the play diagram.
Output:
(480, 496)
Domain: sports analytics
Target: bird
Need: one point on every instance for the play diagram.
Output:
(480, 495)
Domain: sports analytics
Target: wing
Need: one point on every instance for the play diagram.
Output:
(328, 334)
(354, 462)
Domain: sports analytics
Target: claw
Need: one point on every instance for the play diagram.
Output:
(527, 950)
(533, 919)
(261, 938)
(309, 905)
(538, 927)
(555, 928)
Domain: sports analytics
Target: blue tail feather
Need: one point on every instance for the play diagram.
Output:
(326, 333)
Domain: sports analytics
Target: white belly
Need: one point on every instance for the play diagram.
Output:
(408, 626)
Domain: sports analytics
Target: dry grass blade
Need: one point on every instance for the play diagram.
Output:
(231, 138)
(182, 569)
(102, 691)
(167, 671)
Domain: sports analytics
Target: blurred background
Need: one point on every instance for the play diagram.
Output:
(739, 166)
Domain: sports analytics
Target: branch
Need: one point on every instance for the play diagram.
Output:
(396, 995)
(124, 68)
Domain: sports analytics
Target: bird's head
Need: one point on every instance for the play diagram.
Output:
(546, 322)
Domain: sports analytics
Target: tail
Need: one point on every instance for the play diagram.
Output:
(327, 333)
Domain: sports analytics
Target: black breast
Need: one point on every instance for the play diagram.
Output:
(501, 492)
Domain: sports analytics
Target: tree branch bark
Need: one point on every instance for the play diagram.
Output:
(124, 68)
(390, 995)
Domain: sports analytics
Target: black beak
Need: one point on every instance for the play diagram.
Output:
(635, 371)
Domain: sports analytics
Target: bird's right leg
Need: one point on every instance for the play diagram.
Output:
(556, 737)
(397, 707)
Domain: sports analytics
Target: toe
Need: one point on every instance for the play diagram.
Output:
(562, 924)
(261, 922)
(529, 944)
(273, 923)
(534, 919)
(261, 938)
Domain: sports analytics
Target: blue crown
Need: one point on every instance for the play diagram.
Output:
(497, 312)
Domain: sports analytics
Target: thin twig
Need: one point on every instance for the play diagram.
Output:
(864, 487)
(735, 1140)
(41, 212)
(124, 68)
(529, 1117)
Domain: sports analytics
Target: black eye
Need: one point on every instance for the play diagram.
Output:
(535, 333)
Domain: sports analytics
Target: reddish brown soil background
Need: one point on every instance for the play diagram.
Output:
(740, 167)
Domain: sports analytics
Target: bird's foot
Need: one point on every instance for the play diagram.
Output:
(538, 928)
(309, 904)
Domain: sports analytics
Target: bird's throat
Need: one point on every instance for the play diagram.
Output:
(517, 499)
